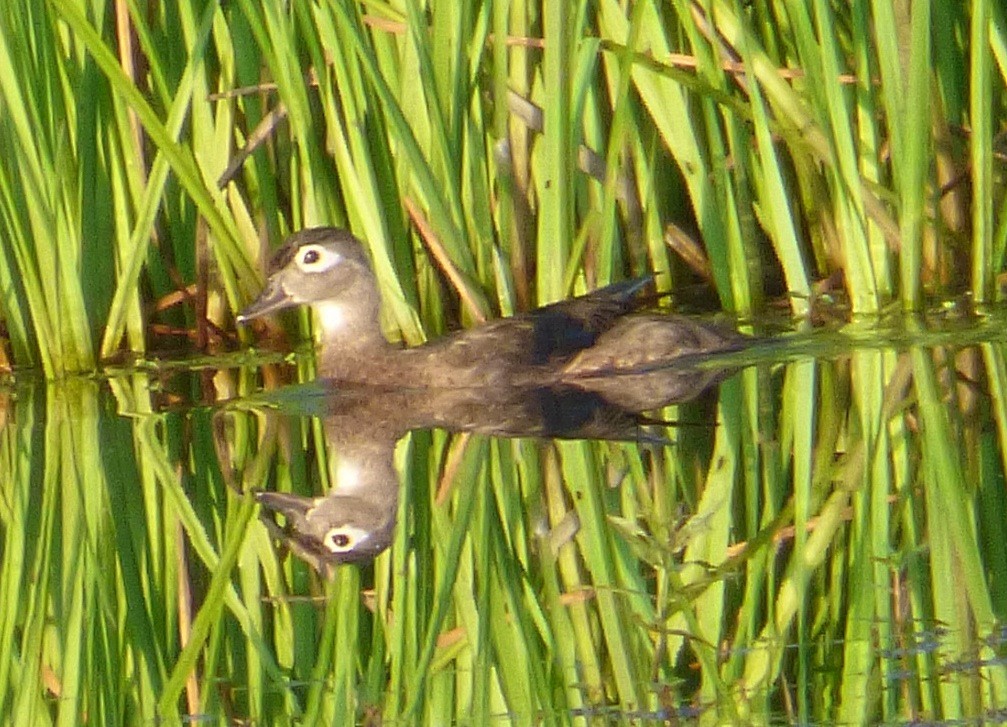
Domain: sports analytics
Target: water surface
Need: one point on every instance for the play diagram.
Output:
(812, 540)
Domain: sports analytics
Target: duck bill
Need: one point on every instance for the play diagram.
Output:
(293, 507)
(273, 298)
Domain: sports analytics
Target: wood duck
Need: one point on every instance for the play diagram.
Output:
(572, 341)
(354, 520)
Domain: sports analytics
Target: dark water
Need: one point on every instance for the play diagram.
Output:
(814, 540)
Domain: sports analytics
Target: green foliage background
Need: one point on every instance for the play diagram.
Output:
(798, 141)
(782, 143)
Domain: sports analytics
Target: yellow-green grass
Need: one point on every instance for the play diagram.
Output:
(857, 139)
(812, 550)
(801, 141)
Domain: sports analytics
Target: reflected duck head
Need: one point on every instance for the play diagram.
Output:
(326, 268)
(326, 531)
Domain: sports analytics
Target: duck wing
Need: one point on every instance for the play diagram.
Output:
(572, 340)
(522, 349)
(561, 329)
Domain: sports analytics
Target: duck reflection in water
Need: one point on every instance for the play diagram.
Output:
(355, 520)
(581, 369)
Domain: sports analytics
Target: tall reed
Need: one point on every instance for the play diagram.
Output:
(493, 157)
(783, 143)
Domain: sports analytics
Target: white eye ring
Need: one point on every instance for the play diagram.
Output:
(316, 259)
(343, 539)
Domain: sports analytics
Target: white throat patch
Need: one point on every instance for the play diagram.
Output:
(331, 317)
(348, 476)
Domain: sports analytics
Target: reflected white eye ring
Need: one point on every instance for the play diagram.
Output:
(316, 259)
(343, 539)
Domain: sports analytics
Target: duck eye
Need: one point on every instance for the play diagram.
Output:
(314, 259)
(339, 540)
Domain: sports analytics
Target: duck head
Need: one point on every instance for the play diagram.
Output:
(326, 531)
(325, 268)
